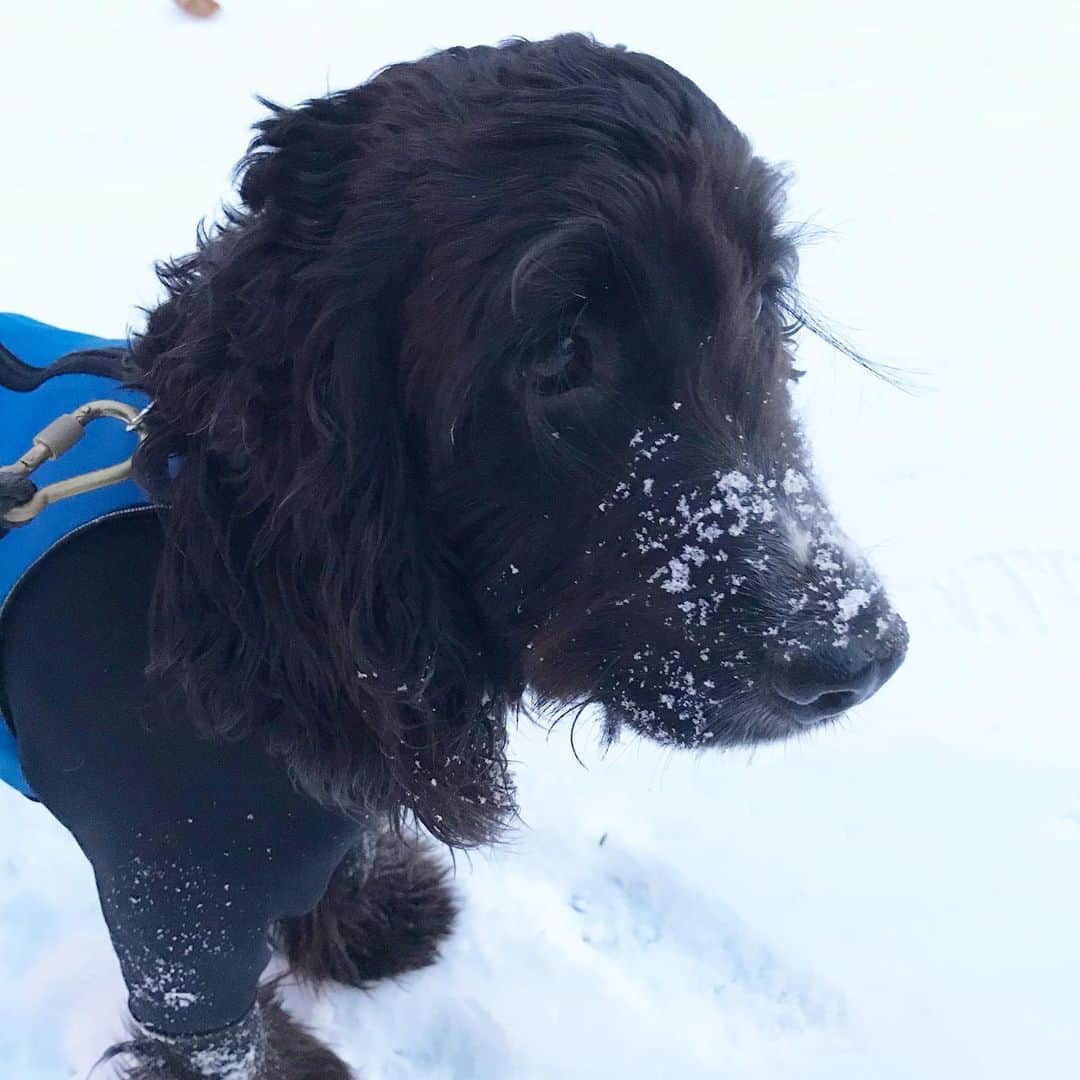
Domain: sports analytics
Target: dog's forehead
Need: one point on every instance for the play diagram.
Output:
(572, 129)
(696, 236)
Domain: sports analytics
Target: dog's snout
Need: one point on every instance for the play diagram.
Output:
(832, 678)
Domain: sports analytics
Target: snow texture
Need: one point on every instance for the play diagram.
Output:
(896, 897)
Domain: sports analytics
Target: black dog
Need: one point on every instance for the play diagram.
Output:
(485, 387)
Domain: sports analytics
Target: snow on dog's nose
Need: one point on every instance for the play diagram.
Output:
(832, 678)
(755, 614)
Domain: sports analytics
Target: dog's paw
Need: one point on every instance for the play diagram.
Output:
(376, 924)
(267, 1044)
(292, 1052)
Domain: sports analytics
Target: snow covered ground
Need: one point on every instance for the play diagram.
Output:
(898, 897)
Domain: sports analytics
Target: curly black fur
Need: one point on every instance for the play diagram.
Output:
(454, 389)
(374, 923)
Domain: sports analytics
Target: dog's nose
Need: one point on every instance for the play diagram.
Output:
(831, 679)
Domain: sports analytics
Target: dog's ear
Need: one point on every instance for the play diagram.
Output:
(304, 594)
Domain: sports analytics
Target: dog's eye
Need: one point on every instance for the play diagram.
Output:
(567, 367)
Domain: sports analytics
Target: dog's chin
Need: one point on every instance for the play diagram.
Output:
(692, 724)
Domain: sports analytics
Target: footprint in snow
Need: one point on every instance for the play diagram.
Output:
(458, 1040)
(644, 919)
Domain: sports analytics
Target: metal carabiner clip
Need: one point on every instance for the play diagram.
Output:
(56, 440)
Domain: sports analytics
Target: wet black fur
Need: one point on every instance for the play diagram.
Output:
(385, 527)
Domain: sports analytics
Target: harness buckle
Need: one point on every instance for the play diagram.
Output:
(56, 439)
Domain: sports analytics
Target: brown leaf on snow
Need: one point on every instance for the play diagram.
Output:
(201, 9)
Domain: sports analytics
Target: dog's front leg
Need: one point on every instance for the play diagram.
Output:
(197, 848)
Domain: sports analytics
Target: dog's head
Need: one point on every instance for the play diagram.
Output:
(487, 387)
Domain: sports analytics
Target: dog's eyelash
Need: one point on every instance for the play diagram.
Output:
(790, 316)
(791, 327)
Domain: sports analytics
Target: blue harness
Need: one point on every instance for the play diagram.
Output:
(22, 416)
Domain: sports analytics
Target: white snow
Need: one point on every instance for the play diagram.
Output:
(894, 898)
(851, 603)
(794, 483)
